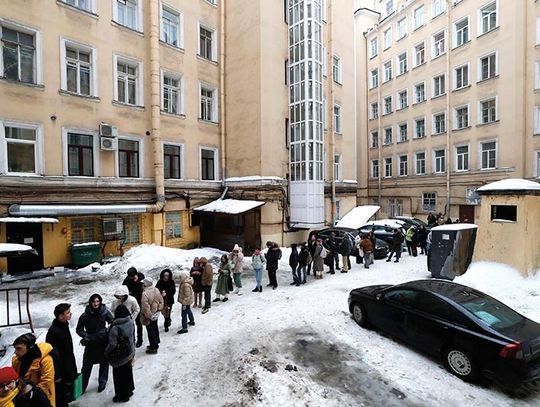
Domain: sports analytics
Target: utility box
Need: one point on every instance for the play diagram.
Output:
(83, 254)
(452, 248)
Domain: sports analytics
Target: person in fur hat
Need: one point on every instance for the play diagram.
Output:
(185, 298)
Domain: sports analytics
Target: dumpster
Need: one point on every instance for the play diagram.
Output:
(83, 254)
(451, 250)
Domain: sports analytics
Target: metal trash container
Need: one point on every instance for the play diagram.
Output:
(83, 254)
(451, 250)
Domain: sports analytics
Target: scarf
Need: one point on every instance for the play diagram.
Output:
(7, 400)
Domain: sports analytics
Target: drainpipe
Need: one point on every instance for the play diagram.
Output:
(448, 106)
(222, 96)
(331, 116)
(379, 120)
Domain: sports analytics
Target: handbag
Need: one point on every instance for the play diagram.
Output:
(77, 387)
(230, 286)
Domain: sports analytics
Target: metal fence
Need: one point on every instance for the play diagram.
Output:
(15, 307)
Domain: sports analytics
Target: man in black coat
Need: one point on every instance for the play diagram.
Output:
(133, 281)
(272, 257)
(60, 338)
(396, 246)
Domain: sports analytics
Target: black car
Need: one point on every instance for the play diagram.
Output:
(410, 221)
(472, 333)
(384, 229)
(381, 247)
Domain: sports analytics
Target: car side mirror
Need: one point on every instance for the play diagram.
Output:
(379, 297)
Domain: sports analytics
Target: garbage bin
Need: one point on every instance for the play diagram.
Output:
(451, 251)
(83, 254)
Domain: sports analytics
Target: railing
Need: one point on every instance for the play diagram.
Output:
(6, 314)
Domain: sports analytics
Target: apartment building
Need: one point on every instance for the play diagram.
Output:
(447, 101)
(121, 119)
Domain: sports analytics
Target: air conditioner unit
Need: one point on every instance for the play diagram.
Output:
(112, 227)
(108, 143)
(106, 130)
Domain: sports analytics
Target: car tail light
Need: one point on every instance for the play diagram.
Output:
(512, 351)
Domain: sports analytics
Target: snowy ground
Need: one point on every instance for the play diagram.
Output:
(294, 346)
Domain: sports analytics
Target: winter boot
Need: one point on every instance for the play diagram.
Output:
(239, 292)
(167, 324)
(255, 290)
(139, 343)
(260, 289)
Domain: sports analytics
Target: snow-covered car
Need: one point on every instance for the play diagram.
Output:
(472, 333)
(381, 247)
(15, 249)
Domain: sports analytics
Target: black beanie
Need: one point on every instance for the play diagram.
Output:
(121, 312)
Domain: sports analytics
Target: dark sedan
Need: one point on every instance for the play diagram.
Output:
(381, 247)
(472, 333)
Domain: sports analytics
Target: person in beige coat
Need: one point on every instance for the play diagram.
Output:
(185, 297)
(207, 279)
(151, 305)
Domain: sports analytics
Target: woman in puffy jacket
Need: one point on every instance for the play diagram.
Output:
(185, 297)
(167, 287)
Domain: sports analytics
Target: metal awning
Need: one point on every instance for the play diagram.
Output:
(229, 206)
(73, 210)
(28, 220)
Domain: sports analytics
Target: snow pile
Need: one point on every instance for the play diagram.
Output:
(511, 184)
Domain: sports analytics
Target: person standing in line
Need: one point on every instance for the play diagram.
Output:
(167, 288)
(304, 260)
(345, 251)
(196, 274)
(312, 244)
(333, 256)
(421, 236)
(92, 328)
(133, 281)
(396, 246)
(272, 256)
(237, 259)
(318, 260)
(120, 352)
(122, 296)
(409, 240)
(15, 392)
(151, 306)
(185, 297)
(207, 279)
(258, 261)
(293, 262)
(222, 286)
(59, 336)
(367, 248)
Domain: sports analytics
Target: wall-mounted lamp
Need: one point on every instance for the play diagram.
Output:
(53, 117)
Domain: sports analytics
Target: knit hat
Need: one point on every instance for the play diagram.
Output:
(7, 374)
(121, 312)
(28, 339)
(121, 290)
(147, 281)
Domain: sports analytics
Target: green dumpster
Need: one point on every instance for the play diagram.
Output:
(83, 254)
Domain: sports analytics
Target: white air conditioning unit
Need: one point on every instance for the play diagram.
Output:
(106, 130)
(112, 227)
(108, 143)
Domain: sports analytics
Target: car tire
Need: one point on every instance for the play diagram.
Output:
(359, 314)
(459, 362)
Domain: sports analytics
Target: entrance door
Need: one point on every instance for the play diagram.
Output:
(30, 234)
(466, 213)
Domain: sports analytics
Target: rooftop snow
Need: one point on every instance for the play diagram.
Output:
(512, 184)
(230, 206)
(14, 247)
(358, 216)
(456, 226)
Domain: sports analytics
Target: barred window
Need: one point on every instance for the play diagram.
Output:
(82, 230)
(132, 229)
(173, 222)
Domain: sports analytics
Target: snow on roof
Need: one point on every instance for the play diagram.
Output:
(230, 206)
(358, 216)
(28, 220)
(512, 184)
(256, 178)
(14, 247)
(396, 223)
(455, 226)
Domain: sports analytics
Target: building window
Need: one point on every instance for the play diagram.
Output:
(403, 166)
(128, 81)
(389, 7)
(18, 58)
(373, 48)
(170, 26)
(439, 85)
(420, 163)
(127, 13)
(374, 168)
(337, 119)
(336, 69)
(429, 201)
(439, 123)
(388, 136)
(387, 38)
(402, 63)
(173, 225)
(374, 110)
(387, 69)
(437, 7)
(172, 161)
(78, 68)
(208, 164)
(488, 151)
(206, 43)
(536, 120)
(21, 148)
(419, 92)
(504, 212)
(128, 158)
(403, 132)
(208, 103)
(439, 44)
(402, 99)
(462, 158)
(171, 101)
(488, 111)
(488, 18)
(419, 54)
(80, 154)
(132, 230)
(537, 75)
(418, 17)
(537, 164)
(439, 158)
(388, 167)
(419, 128)
(461, 117)
(374, 78)
(488, 67)
(81, 4)
(461, 32)
(461, 76)
(374, 139)
(402, 28)
(82, 230)
(395, 207)
(387, 105)
(337, 167)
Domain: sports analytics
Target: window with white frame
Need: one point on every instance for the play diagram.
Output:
(387, 69)
(537, 75)
(337, 119)
(461, 76)
(462, 158)
(419, 54)
(403, 132)
(171, 99)
(128, 81)
(374, 168)
(439, 161)
(208, 163)
(437, 7)
(439, 85)
(537, 120)
(420, 163)
(373, 110)
(461, 32)
(488, 110)
(389, 7)
(207, 43)
(537, 42)
(487, 67)
(337, 167)
(172, 161)
(373, 47)
(387, 38)
(78, 68)
(402, 99)
(439, 123)
(387, 105)
(461, 117)
(402, 63)
(336, 68)
(419, 128)
(374, 78)
(208, 103)
(403, 165)
(418, 17)
(488, 152)
(439, 44)
(388, 167)
(85, 5)
(537, 156)
(402, 28)
(18, 59)
(374, 137)
(419, 92)
(487, 18)
(429, 201)
(128, 13)
(171, 21)
(128, 158)
(20, 147)
(388, 136)
(80, 154)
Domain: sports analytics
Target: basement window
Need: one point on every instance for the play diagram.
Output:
(504, 213)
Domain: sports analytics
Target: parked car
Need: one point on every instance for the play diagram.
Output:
(381, 247)
(384, 228)
(410, 221)
(472, 333)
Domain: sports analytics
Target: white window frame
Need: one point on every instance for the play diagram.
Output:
(389, 7)
(64, 43)
(388, 140)
(38, 146)
(387, 38)
(96, 150)
(387, 71)
(213, 39)
(456, 121)
(537, 41)
(338, 175)
(400, 165)
(139, 15)
(481, 153)
(458, 34)
(215, 111)
(479, 70)
(480, 24)
(139, 94)
(438, 7)
(537, 164)
(468, 77)
(388, 167)
(418, 119)
(138, 139)
(91, 5)
(417, 24)
(375, 170)
(337, 119)
(442, 89)
(182, 155)
(439, 163)
(434, 121)
(536, 115)
(373, 47)
(537, 75)
(401, 28)
(480, 110)
(457, 155)
(402, 139)
(374, 78)
(399, 100)
(416, 162)
(436, 50)
(403, 64)
(336, 69)
(180, 95)
(416, 53)
(180, 30)
(373, 113)
(216, 162)
(415, 89)
(432, 196)
(387, 105)
(374, 139)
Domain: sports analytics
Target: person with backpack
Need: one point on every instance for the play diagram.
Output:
(293, 263)
(16, 392)
(133, 282)
(318, 259)
(167, 288)
(258, 261)
(304, 260)
(272, 258)
(120, 352)
(59, 336)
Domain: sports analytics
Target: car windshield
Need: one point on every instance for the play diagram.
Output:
(492, 312)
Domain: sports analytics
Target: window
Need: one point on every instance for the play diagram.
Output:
(388, 136)
(488, 67)
(389, 7)
(461, 76)
(18, 58)
(173, 225)
(82, 4)
(402, 63)
(208, 103)
(374, 139)
(171, 99)
(419, 128)
(336, 69)
(420, 163)
(374, 168)
(387, 105)
(461, 32)
(461, 117)
(537, 154)
(21, 148)
(387, 69)
(488, 18)
(402, 28)
(387, 38)
(128, 81)
(462, 158)
(78, 68)
(419, 92)
(82, 230)
(536, 120)
(537, 42)
(395, 207)
(419, 54)
(337, 167)
(418, 17)
(402, 99)
(439, 44)
(206, 43)
(537, 75)
(488, 151)
(337, 119)
(508, 213)
(208, 164)
(373, 47)
(374, 110)
(429, 201)
(437, 7)
(172, 161)
(132, 234)
(439, 158)
(170, 27)
(388, 167)
(127, 13)
(488, 111)
(403, 132)
(80, 154)
(439, 123)
(439, 85)
(403, 165)
(128, 158)
(374, 78)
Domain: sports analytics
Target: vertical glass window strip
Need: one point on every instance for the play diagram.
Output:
(205, 43)
(127, 83)
(21, 149)
(462, 158)
(173, 225)
(82, 4)
(388, 167)
(78, 70)
(80, 155)
(18, 55)
(403, 165)
(462, 76)
(440, 161)
(127, 13)
(488, 67)
(462, 32)
(207, 104)
(171, 162)
(402, 61)
(207, 164)
(439, 44)
(418, 16)
(462, 117)
(419, 54)
(488, 16)
(375, 168)
(419, 93)
(128, 158)
(489, 155)
(171, 95)
(488, 110)
(403, 132)
(420, 163)
(420, 128)
(374, 139)
(170, 25)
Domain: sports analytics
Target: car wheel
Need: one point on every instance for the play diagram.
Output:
(459, 363)
(359, 315)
